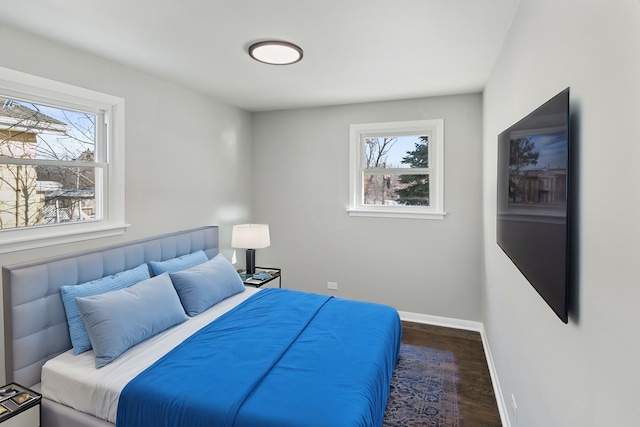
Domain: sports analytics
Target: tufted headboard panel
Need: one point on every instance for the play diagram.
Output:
(35, 323)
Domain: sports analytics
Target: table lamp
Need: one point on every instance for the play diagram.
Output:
(250, 237)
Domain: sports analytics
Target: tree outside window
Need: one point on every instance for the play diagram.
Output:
(386, 178)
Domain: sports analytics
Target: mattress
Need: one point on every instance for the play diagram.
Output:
(75, 382)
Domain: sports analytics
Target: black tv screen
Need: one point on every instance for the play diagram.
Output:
(533, 199)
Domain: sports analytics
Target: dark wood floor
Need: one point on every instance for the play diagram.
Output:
(476, 399)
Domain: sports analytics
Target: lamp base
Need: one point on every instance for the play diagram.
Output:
(251, 261)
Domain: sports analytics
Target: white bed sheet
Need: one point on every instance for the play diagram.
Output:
(74, 380)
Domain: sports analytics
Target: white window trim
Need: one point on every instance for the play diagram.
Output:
(435, 128)
(20, 85)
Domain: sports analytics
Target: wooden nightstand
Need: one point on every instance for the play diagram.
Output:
(19, 406)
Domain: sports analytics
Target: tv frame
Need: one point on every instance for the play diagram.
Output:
(533, 228)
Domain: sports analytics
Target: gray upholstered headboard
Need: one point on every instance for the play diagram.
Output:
(35, 323)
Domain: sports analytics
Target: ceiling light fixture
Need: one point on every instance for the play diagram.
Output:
(275, 52)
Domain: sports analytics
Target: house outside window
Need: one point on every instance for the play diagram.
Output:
(61, 163)
(397, 169)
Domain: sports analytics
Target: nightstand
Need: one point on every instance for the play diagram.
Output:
(270, 273)
(19, 406)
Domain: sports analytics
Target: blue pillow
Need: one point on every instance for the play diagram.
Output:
(77, 331)
(118, 320)
(179, 263)
(204, 285)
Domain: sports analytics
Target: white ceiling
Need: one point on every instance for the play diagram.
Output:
(354, 50)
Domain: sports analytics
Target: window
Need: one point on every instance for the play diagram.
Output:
(397, 169)
(61, 163)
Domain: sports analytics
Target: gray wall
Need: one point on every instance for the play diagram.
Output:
(301, 189)
(185, 153)
(584, 373)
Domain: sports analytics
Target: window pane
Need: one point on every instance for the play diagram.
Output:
(397, 152)
(36, 195)
(396, 190)
(33, 131)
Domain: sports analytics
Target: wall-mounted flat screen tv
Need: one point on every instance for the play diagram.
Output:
(534, 199)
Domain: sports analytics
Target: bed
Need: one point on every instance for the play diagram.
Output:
(289, 359)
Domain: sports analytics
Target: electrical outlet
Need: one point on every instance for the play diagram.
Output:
(514, 409)
(332, 285)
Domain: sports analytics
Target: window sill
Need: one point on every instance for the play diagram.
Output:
(37, 237)
(395, 213)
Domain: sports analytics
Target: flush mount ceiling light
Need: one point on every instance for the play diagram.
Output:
(275, 52)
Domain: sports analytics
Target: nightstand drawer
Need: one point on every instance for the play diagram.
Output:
(27, 418)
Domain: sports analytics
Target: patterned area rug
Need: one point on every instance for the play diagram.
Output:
(423, 389)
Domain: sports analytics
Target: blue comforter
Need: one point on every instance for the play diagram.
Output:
(281, 358)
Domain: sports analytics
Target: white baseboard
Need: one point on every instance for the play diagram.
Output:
(448, 322)
(468, 325)
(502, 406)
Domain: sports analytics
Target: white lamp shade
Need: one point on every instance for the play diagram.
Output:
(250, 236)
